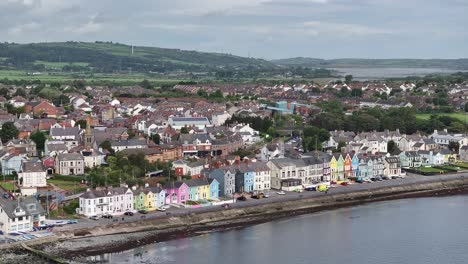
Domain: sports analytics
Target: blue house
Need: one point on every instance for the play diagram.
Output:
(355, 165)
(11, 163)
(159, 196)
(244, 178)
(225, 178)
(214, 188)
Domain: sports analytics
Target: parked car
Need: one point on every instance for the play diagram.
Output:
(160, 209)
(403, 174)
(368, 180)
(166, 206)
(225, 206)
(108, 216)
(281, 193)
(385, 178)
(344, 183)
(128, 213)
(257, 196)
(142, 211)
(378, 178)
(311, 188)
(242, 198)
(72, 221)
(265, 195)
(94, 217)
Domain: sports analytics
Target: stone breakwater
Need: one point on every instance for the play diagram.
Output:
(115, 238)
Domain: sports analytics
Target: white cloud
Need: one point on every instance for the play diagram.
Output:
(319, 27)
(23, 28)
(89, 27)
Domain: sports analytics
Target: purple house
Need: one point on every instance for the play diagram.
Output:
(176, 192)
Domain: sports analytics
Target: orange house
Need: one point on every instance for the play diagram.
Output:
(348, 168)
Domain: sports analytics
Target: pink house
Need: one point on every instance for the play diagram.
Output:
(176, 192)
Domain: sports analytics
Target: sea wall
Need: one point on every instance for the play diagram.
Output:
(118, 237)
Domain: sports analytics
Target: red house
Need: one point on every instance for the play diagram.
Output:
(45, 108)
(49, 163)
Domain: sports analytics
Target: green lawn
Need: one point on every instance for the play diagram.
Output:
(460, 116)
(463, 165)
(70, 186)
(429, 169)
(8, 186)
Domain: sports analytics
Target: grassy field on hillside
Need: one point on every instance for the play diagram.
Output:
(119, 79)
(60, 65)
(460, 116)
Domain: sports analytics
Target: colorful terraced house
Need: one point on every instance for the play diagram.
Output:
(199, 189)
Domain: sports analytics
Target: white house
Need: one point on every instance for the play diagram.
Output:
(92, 158)
(32, 175)
(287, 174)
(220, 119)
(106, 201)
(20, 215)
(262, 177)
(249, 135)
(180, 122)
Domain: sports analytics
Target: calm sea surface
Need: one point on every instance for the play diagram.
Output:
(415, 231)
(378, 73)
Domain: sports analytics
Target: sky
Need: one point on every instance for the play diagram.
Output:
(269, 29)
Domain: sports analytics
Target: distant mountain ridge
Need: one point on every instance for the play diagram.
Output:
(114, 57)
(460, 64)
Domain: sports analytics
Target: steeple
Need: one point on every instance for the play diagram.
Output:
(89, 135)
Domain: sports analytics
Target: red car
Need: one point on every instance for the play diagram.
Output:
(344, 183)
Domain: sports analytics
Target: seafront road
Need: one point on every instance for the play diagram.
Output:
(274, 198)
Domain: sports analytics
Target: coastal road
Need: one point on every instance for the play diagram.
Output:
(274, 198)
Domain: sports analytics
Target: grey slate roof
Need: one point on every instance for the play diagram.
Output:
(67, 131)
(70, 156)
(196, 182)
(32, 166)
(30, 205)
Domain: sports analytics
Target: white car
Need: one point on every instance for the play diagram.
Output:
(280, 193)
(166, 207)
(161, 209)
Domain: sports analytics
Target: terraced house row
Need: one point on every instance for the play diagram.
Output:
(123, 199)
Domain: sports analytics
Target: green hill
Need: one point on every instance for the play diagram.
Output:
(458, 64)
(113, 57)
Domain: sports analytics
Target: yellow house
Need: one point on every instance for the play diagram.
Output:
(449, 156)
(199, 189)
(333, 168)
(149, 200)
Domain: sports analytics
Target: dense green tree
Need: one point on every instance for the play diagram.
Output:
(146, 84)
(39, 138)
(454, 146)
(313, 137)
(4, 92)
(348, 79)
(82, 123)
(20, 92)
(184, 130)
(106, 145)
(156, 138)
(392, 147)
(9, 131)
(356, 92)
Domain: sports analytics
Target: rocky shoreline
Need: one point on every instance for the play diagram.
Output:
(172, 228)
(75, 246)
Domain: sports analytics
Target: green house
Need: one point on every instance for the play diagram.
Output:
(139, 199)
